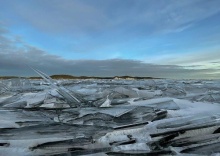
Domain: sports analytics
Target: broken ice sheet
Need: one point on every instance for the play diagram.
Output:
(158, 116)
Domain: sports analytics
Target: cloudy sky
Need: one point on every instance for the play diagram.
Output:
(159, 38)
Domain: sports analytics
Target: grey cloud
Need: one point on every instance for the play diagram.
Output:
(14, 60)
(15, 55)
(113, 67)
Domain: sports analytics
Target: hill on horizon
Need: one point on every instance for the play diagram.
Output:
(65, 76)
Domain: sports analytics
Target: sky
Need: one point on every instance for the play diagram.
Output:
(177, 39)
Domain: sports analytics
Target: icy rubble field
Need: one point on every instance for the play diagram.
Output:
(109, 117)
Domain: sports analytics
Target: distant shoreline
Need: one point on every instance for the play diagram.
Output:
(81, 77)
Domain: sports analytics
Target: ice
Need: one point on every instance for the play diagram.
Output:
(107, 103)
(107, 117)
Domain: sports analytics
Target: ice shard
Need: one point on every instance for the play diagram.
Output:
(71, 99)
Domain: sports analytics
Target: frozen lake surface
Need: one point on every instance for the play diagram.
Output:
(109, 117)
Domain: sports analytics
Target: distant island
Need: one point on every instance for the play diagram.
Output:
(82, 77)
